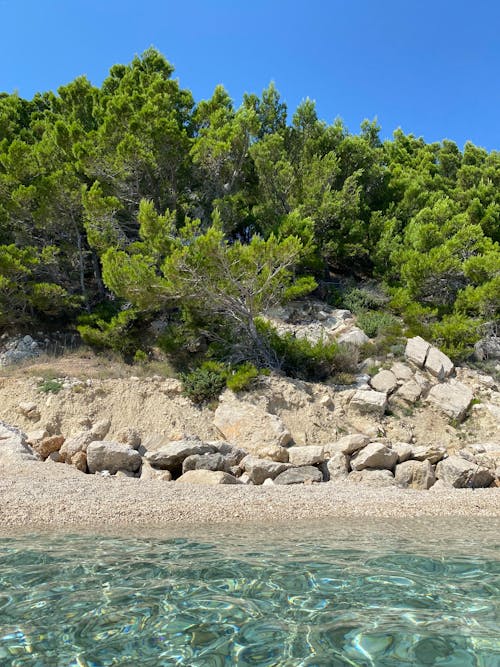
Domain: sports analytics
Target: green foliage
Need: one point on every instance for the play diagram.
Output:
(210, 213)
(120, 333)
(140, 357)
(50, 386)
(375, 322)
(456, 334)
(297, 356)
(204, 384)
(358, 300)
(242, 377)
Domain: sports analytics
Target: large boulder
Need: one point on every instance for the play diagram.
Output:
(403, 450)
(252, 428)
(100, 429)
(438, 364)
(13, 447)
(355, 337)
(205, 462)
(408, 392)
(209, 477)
(76, 443)
(259, 470)
(349, 443)
(375, 455)
(373, 403)
(48, 445)
(415, 475)
(171, 456)
(338, 466)
(112, 456)
(401, 371)
(301, 475)
(453, 398)
(462, 474)
(376, 478)
(149, 473)
(233, 455)
(416, 351)
(431, 453)
(306, 456)
(384, 381)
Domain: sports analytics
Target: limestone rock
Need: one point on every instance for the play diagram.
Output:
(431, 453)
(415, 475)
(13, 447)
(79, 460)
(306, 456)
(49, 445)
(300, 475)
(129, 436)
(403, 450)
(29, 410)
(35, 437)
(462, 474)
(205, 462)
(369, 402)
(210, 477)
(375, 455)
(349, 443)
(416, 350)
(338, 466)
(100, 429)
(372, 477)
(260, 469)
(172, 455)
(453, 398)
(250, 427)
(408, 392)
(76, 443)
(401, 371)
(232, 454)
(150, 473)
(112, 456)
(384, 381)
(438, 364)
(355, 336)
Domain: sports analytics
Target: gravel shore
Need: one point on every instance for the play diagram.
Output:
(56, 496)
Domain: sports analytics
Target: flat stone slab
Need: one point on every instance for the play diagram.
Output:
(369, 402)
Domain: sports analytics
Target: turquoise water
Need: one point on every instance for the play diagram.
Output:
(387, 593)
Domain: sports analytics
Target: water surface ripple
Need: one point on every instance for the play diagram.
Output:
(326, 594)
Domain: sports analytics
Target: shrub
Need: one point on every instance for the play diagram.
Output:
(298, 357)
(456, 334)
(375, 322)
(203, 384)
(242, 377)
(358, 300)
(50, 386)
(140, 357)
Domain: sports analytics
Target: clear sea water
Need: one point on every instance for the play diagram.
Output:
(354, 593)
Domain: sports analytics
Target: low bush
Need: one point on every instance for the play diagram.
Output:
(375, 322)
(50, 386)
(298, 357)
(204, 384)
(242, 377)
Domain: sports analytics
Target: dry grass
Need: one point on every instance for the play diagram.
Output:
(84, 364)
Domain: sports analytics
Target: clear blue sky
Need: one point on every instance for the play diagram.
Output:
(431, 67)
